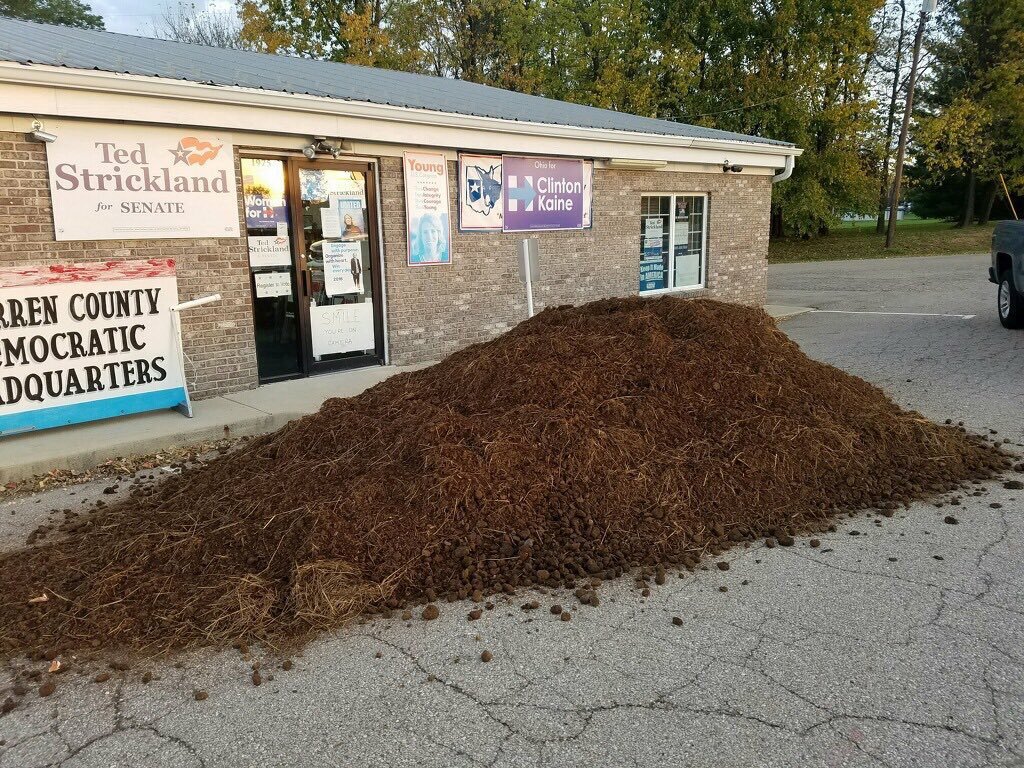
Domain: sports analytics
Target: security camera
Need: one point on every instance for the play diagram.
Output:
(38, 134)
(736, 169)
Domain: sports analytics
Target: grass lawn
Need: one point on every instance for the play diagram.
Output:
(858, 240)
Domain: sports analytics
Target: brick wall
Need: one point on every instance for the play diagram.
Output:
(218, 338)
(433, 311)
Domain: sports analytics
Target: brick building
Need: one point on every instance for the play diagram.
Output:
(319, 260)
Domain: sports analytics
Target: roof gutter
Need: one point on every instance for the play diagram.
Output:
(786, 172)
(135, 85)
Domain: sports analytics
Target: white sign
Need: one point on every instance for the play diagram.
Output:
(653, 226)
(341, 328)
(270, 284)
(87, 341)
(428, 217)
(481, 197)
(269, 251)
(343, 268)
(129, 182)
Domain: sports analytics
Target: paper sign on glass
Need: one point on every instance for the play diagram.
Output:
(343, 268)
(270, 284)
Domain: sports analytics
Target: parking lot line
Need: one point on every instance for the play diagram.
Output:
(905, 314)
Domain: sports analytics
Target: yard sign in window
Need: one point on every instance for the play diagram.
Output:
(672, 236)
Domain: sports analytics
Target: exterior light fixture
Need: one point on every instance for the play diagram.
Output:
(320, 145)
(634, 164)
(728, 167)
(38, 134)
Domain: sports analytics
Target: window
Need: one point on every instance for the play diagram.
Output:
(672, 237)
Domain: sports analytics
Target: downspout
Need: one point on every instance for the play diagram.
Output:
(786, 172)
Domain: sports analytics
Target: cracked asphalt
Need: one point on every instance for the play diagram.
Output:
(897, 642)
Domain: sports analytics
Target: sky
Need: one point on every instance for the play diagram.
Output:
(136, 17)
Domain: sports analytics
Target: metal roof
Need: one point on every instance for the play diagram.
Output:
(28, 42)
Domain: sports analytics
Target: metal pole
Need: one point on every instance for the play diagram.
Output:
(529, 291)
(890, 232)
(186, 407)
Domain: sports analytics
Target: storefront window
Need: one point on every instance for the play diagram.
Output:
(268, 227)
(672, 242)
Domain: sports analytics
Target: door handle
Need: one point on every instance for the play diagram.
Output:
(307, 283)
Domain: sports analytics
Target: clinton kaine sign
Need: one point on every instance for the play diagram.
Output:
(542, 193)
(87, 341)
(127, 182)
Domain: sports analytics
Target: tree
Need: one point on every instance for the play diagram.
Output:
(380, 33)
(792, 70)
(972, 123)
(186, 24)
(71, 13)
(887, 76)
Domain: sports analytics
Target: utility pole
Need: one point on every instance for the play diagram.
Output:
(927, 6)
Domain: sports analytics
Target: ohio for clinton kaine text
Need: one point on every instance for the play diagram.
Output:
(39, 348)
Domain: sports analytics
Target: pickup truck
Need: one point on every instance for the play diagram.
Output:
(1007, 271)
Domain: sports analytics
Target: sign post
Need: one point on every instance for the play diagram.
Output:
(528, 268)
(185, 407)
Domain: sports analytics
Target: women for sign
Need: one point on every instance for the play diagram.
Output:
(87, 341)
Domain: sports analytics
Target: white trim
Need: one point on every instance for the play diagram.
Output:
(703, 284)
(66, 92)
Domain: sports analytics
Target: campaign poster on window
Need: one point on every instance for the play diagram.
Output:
(351, 213)
(343, 268)
(427, 213)
(87, 341)
(269, 251)
(263, 183)
(110, 181)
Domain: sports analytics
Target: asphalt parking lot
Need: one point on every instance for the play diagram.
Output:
(897, 642)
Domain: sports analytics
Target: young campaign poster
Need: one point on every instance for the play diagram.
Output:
(426, 208)
(129, 182)
(87, 341)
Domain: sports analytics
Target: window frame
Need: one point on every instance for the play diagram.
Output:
(672, 239)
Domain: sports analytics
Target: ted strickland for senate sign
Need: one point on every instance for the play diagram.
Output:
(122, 182)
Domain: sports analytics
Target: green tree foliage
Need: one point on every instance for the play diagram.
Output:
(71, 13)
(792, 70)
(971, 127)
(789, 69)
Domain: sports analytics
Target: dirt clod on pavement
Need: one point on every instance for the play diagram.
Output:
(584, 443)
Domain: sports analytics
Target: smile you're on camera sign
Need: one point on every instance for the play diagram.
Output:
(125, 182)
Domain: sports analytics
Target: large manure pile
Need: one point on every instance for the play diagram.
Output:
(584, 442)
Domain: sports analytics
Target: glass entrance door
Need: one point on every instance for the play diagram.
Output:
(339, 284)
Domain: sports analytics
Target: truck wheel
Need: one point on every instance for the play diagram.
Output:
(1010, 303)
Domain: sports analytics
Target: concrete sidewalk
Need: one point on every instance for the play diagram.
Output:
(251, 412)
